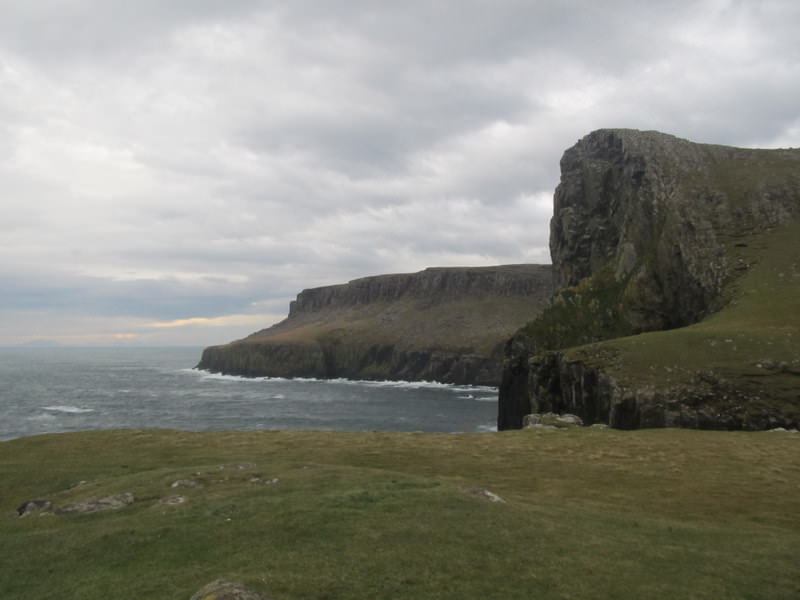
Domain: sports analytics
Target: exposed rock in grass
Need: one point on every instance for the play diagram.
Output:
(186, 483)
(552, 420)
(31, 507)
(226, 590)
(111, 502)
(260, 481)
(237, 466)
(482, 494)
(172, 500)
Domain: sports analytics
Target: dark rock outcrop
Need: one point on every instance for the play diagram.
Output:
(441, 324)
(658, 214)
(562, 382)
(650, 233)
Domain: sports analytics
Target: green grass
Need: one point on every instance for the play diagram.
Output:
(477, 324)
(588, 514)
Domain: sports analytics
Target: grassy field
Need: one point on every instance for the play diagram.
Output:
(587, 514)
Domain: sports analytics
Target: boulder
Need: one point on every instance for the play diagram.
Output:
(551, 420)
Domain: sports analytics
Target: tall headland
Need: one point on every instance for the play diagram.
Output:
(697, 244)
(445, 324)
(673, 299)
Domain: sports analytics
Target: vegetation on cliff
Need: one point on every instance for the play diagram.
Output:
(653, 233)
(584, 513)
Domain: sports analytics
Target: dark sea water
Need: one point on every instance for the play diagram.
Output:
(47, 390)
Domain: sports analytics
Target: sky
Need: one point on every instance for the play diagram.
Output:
(174, 173)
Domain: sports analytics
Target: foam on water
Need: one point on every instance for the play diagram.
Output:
(386, 383)
(73, 410)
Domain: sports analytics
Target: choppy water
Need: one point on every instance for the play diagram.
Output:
(47, 390)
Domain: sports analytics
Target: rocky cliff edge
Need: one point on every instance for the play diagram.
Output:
(441, 324)
(697, 242)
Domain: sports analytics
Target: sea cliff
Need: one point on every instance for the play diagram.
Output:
(697, 242)
(441, 324)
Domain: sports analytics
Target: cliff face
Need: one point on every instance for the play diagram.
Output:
(651, 232)
(433, 285)
(441, 324)
(659, 214)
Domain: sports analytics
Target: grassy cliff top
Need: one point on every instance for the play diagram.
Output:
(751, 345)
(479, 324)
(454, 308)
(587, 514)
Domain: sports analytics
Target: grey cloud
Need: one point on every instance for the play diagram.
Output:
(169, 160)
(84, 30)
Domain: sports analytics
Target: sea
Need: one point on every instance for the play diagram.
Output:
(60, 389)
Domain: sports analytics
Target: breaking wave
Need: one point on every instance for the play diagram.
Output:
(73, 410)
(412, 385)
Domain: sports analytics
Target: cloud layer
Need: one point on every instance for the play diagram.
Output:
(175, 172)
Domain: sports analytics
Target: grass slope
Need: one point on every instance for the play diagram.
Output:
(588, 514)
(477, 324)
(752, 346)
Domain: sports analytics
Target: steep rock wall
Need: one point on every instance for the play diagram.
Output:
(649, 232)
(660, 213)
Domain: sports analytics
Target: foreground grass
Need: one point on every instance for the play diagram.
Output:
(588, 514)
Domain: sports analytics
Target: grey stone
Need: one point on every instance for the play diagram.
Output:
(238, 466)
(172, 500)
(111, 502)
(260, 481)
(550, 419)
(186, 483)
(40, 507)
(482, 494)
(226, 590)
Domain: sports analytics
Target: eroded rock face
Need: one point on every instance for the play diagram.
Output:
(645, 236)
(435, 284)
(441, 324)
(563, 385)
(659, 213)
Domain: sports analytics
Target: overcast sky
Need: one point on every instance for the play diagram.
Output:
(174, 172)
